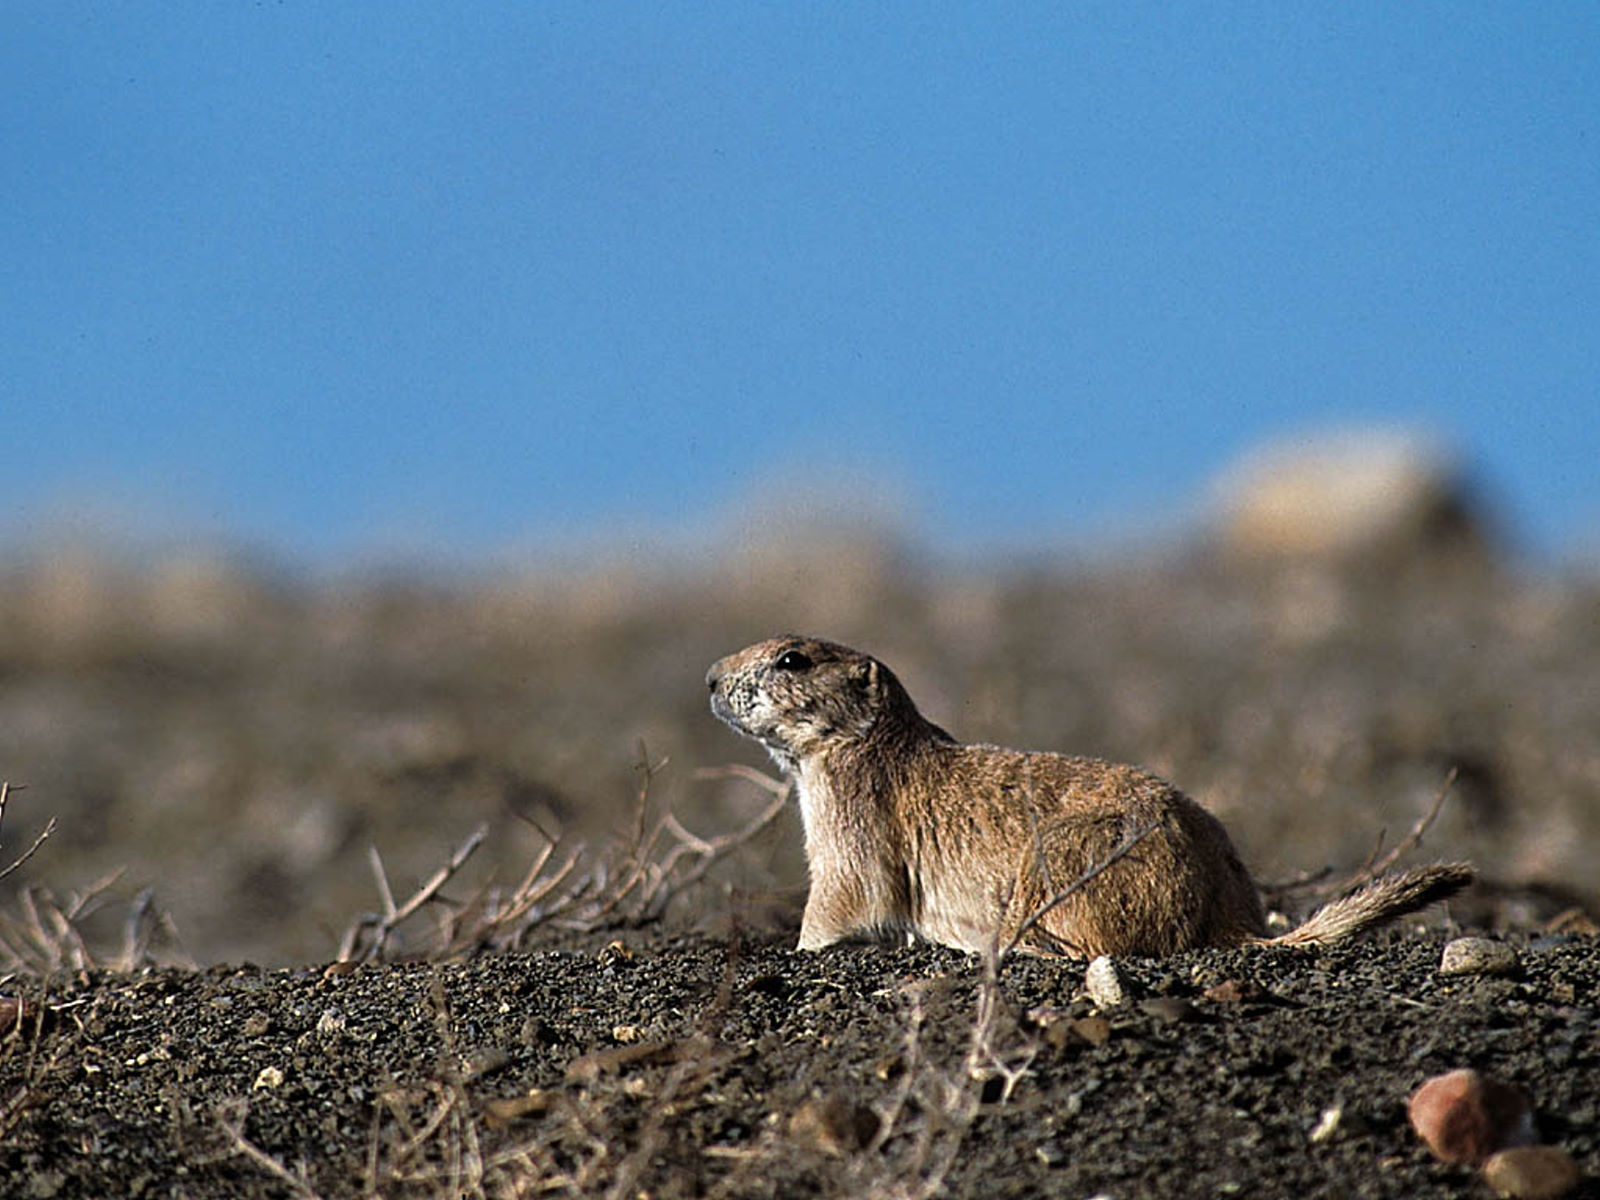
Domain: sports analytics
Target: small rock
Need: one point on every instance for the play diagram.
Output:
(1104, 983)
(587, 1068)
(1464, 1117)
(1328, 1124)
(1094, 1030)
(1171, 1009)
(1234, 991)
(266, 1079)
(1051, 1153)
(1531, 1172)
(890, 1066)
(1061, 1029)
(1477, 956)
(483, 1062)
(833, 1125)
(1043, 1016)
(45, 1185)
(532, 1031)
(503, 1110)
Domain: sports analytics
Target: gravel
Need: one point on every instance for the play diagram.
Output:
(750, 1069)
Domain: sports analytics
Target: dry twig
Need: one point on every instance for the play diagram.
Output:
(231, 1118)
(1319, 884)
(1082, 881)
(50, 827)
(369, 935)
(1374, 866)
(626, 884)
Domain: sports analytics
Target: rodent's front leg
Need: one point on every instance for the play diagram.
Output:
(852, 897)
(828, 915)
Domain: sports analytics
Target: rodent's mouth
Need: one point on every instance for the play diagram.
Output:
(723, 711)
(775, 745)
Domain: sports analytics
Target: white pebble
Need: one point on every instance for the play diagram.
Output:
(1477, 956)
(1104, 983)
(1328, 1125)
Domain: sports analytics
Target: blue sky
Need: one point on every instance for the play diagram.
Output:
(336, 278)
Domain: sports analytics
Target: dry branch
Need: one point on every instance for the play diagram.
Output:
(1066, 893)
(1374, 866)
(50, 827)
(625, 884)
(1320, 884)
(232, 1124)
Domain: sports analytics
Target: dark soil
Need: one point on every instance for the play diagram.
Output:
(395, 1080)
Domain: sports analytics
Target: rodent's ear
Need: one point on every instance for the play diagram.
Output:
(870, 673)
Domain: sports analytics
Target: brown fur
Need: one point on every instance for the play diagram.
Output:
(909, 831)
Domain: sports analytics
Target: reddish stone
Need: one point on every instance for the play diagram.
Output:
(1464, 1117)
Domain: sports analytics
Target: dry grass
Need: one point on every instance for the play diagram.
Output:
(604, 1135)
(626, 883)
(44, 933)
(6, 789)
(441, 1139)
(1321, 884)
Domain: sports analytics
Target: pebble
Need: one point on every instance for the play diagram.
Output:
(1531, 1173)
(267, 1079)
(1061, 1030)
(1052, 1154)
(1328, 1124)
(833, 1125)
(502, 1111)
(1094, 1030)
(1104, 983)
(1477, 956)
(484, 1062)
(1235, 991)
(1464, 1117)
(1171, 1009)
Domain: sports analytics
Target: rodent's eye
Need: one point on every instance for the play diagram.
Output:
(792, 660)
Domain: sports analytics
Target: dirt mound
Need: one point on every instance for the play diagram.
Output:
(686, 1066)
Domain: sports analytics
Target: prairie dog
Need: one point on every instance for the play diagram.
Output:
(908, 831)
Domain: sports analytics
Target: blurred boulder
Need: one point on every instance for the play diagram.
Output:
(1366, 495)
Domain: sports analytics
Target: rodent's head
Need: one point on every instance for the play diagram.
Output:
(799, 696)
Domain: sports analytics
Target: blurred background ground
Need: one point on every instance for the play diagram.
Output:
(401, 415)
(237, 735)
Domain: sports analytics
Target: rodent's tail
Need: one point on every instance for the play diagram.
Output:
(1382, 900)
